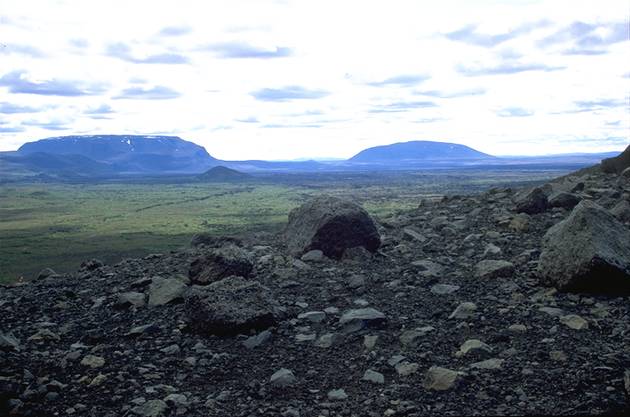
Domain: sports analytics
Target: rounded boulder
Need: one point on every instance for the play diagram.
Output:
(332, 225)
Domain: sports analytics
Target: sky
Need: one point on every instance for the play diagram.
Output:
(269, 79)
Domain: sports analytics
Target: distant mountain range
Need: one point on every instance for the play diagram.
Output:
(116, 156)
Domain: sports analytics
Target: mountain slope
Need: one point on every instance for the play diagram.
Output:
(419, 150)
(617, 163)
(134, 330)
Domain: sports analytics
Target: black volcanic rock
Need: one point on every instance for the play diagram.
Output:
(220, 263)
(565, 200)
(532, 202)
(332, 225)
(222, 174)
(418, 151)
(231, 306)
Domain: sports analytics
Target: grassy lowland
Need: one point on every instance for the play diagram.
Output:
(60, 225)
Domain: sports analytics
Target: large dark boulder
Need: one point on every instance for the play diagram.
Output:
(618, 163)
(589, 251)
(331, 225)
(231, 306)
(564, 200)
(532, 202)
(221, 263)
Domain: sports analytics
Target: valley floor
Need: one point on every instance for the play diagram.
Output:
(60, 225)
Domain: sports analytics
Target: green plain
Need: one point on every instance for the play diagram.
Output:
(61, 225)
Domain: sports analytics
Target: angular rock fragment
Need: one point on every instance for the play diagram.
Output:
(373, 376)
(443, 289)
(489, 268)
(142, 330)
(533, 202)
(328, 339)
(221, 263)
(465, 310)
(130, 299)
(151, 408)
(93, 361)
(564, 200)
(405, 368)
(9, 342)
(621, 211)
(589, 251)
(337, 395)
(331, 225)
(314, 255)
(489, 364)
(473, 345)
(355, 320)
(520, 222)
(257, 340)
(440, 379)
(282, 378)
(413, 234)
(165, 290)
(231, 306)
(574, 322)
(313, 316)
(411, 338)
(428, 269)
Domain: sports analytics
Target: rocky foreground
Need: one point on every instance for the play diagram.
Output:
(511, 302)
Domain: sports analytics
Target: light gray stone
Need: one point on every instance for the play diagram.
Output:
(463, 311)
(164, 290)
(337, 395)
(489, 268)
(283, 378)
(355, 320)
(440, 379)
(373, 376)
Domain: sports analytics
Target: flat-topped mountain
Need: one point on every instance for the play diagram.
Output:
(419, 150)
(112, 147)
(122, 154)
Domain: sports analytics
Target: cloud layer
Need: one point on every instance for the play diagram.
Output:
(287, 79)
(18, 82)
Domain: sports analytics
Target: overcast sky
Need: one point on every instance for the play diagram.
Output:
(291, 79)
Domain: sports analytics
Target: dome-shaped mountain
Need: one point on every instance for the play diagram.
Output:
(419, 150)
(223, 174)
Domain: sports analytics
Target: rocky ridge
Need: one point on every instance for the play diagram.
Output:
(449, 316)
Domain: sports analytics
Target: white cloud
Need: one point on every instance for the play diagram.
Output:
(277, 80)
